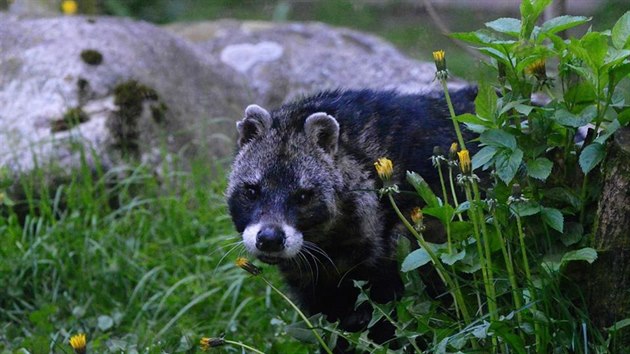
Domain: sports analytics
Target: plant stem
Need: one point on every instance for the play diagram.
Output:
(300, 313)
(391, 320)
(244, 346)
(455, 291)
(460, 138)
(448, 232)
(455, 201)
(530, 283)
(486, 244)
(488, 286)
(507, 258)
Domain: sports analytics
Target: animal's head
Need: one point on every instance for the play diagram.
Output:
(283, 185)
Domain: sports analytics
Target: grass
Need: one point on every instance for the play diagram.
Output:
(141, 265)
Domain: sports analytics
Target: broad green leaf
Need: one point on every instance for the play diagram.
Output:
(415, 259)
(562, 23)
(461, 230)
(530, 11)
(596, 46)
(624, 116)
(482, 38)
(498, 138)
(301, 332)
(510, 26)
(495, 53)
(573, 232)
(483, 156)
(553, 218)
(444, 213)
(507, 163)
(486, 102)
(462, 207)
(512, 105)
(619, 73)
(568, 119)
(591, 156)
(523, 209)
(473, 119)
(585, 254)
(539, 168)
(621, 32)
(450, 259)
(564, 195)
(616, 56)
(608, 130)
(422, 187)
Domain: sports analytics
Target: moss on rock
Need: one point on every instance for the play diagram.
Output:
(92, 57)
(72, 118)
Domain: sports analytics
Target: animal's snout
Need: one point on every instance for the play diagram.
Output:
(270, 238)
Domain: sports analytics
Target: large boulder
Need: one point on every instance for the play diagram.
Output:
(110, 89)
(120, 88)
(283, 61)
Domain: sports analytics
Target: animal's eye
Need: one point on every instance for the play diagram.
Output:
(251, 192)
(304, 197)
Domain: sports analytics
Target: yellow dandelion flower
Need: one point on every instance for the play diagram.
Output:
(207, 343)
(69, 7)
(464, 161)
(537, 69)
(384, 168)
(248, 266)
(439, 58)
(78, 343)
(452, 151)
(416, 215)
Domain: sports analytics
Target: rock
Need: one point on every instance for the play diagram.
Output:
(119, 87)
(130, 90)
(284, 61)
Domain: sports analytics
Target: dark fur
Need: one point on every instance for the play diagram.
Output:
(343, 216)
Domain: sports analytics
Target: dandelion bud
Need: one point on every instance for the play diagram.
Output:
(516, 190)
(78, 343)
(437, 151)
(384, 168)
(452, 151)
(416, 215)
(538, 70)
(248, 266)
(207, 343)
(464, 162)
(440, 64)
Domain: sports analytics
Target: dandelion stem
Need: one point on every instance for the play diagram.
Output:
(507, 258)
(453, 192)
(301, 314)
(455, 291)
(243, 345)
(460, 138)
(530, 283)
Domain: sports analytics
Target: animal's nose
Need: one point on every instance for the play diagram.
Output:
(270, 238)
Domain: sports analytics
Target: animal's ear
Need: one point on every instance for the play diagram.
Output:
(257, 122)
(323, 130)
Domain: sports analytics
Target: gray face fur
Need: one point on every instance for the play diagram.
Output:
(282, 190)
